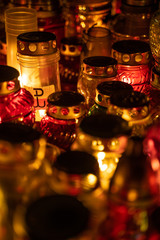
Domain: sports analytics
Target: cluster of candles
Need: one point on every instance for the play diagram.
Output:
(78, 160)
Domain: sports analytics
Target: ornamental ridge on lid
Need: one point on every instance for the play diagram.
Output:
(36, 43)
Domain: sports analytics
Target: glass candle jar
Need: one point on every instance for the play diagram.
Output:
(69, 64)
(22, 150)
(97, 41)
(83, 14)
(134, 107)
(133, 21)
(76, 173)
(16, 103)
(103, 92)
(52, 217)
(18, 20)
(132, 195)
(65, 111)
(153, 92)
(134, 62)
(49, 15)
(104, 136)
(38, 58)
(95, 70)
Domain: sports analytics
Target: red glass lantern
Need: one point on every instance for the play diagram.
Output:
(64, 112)
(134, 62)
(16, 104)
(132, 195)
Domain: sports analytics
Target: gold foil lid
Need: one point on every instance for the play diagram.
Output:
(66, 105)
(131, 52)
(9, 82)
(100, 66)
(36, 43)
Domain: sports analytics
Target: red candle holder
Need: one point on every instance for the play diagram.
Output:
(64, 112)
(16, 104)
(134, 62)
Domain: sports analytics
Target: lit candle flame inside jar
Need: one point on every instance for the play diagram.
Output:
(38, 57)
(134, 62)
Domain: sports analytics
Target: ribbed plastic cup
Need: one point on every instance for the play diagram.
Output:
(18, 20)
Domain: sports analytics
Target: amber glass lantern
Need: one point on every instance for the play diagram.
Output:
(153, 90)
(16, 103)
(76, 173)
(104, 136)
(134, 107)
(94, 70)
(22, 150)
(97, 41)
(52, 217)
(65, 110)
(134, 19)
(83, 14)
(134, 62)
(132, 195)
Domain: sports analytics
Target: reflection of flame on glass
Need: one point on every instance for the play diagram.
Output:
(107, 164)
(89, 181)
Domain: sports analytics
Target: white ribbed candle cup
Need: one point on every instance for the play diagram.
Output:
(18, 20)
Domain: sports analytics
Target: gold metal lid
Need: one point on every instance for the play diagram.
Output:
(100, 66)
(9, 82)
(78, 172)
(71, 46)
(131, 52)
(132, 106)
(105, 89)
(36, 43)
(66, 105)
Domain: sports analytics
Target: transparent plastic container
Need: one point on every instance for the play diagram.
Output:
(38, 57)
(18, 20)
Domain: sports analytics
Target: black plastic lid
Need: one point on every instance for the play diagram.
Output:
(18, 133)
(8, 73)
(108, 87)
(129, 99)
(36, 36)
(131, 46)
(66, 98)
(105, 126)
(100, 61)
(77, 162)
(56, 217)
